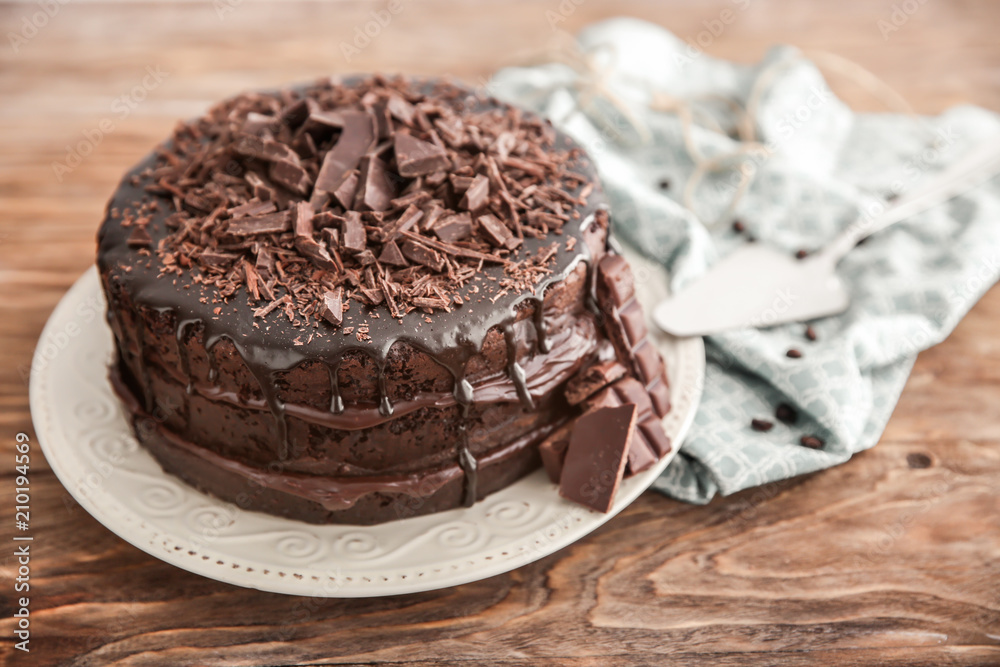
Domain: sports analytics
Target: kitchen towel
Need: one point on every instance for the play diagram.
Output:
(625, 95)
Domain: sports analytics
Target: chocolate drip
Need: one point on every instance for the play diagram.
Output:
(463, 395)
(514, 369)
(470, 467)
(541, 333)
(384, 405)
(213, 366)
(336, 402)
(466, 460)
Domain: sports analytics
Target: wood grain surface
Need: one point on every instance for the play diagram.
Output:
(890, 559)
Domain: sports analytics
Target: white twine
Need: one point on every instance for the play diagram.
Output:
(592, 83)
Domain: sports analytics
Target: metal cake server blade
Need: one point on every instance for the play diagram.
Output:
(757, 286)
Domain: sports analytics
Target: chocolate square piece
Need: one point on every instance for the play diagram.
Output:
(652, 431)
(659, 393)
(630, 390)
(595, 460)
(647, 361)
(640, 454)
(553, 451)
(615, 283)
(633, 322)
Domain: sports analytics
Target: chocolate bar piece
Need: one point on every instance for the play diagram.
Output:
(596, 457)
(553, 451)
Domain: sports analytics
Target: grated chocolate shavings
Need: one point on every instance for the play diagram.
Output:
(386, 192)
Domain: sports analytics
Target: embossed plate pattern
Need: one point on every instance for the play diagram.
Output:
(86, 439)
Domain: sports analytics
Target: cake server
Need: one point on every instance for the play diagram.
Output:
(758, 286)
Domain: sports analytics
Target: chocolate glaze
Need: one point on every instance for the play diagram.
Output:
(266, 345)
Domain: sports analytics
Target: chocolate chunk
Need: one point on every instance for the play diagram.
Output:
(455, 251)
(365, 257)
(400, 109)
(139, 237)
(786, 414)
(553, 451)
(630, 391)
(302, 220)
(454, 228)
(291, 176)
(812, 442)
(640, 454)
(592, 379)
(272, 151)
(383, 123)
(252, 207)
(596, 457)
(255, 122)
(615, 282)
(356, 138)
(331, 237)
(421, 254)
(272, 223)
(606, 398)
(793, 354)
(459, 183)
(477, 194)
(436, 302)
(296, 113)
(647, 361)
(495, 231)
(810, 333)
(391, 255)
(264, 264)
(345, 192)
(321, 124)
(652, 430)
(375, 188)
(406, 221)
(332, 307)
(248, 146)
(633, 322)
(415, 157)
(761, 425)
(353, 232)
(315, 253)
(659, 394)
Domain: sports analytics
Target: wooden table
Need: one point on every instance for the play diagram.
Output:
(890, 559)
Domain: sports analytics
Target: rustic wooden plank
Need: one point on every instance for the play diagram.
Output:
(880, 561)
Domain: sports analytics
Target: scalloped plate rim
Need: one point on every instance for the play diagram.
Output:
(147, 533)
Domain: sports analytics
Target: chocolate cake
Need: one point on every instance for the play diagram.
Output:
(367, 299)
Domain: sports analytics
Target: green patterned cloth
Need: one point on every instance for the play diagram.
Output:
(910, 285)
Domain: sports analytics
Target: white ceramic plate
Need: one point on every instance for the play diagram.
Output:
(86, 439)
